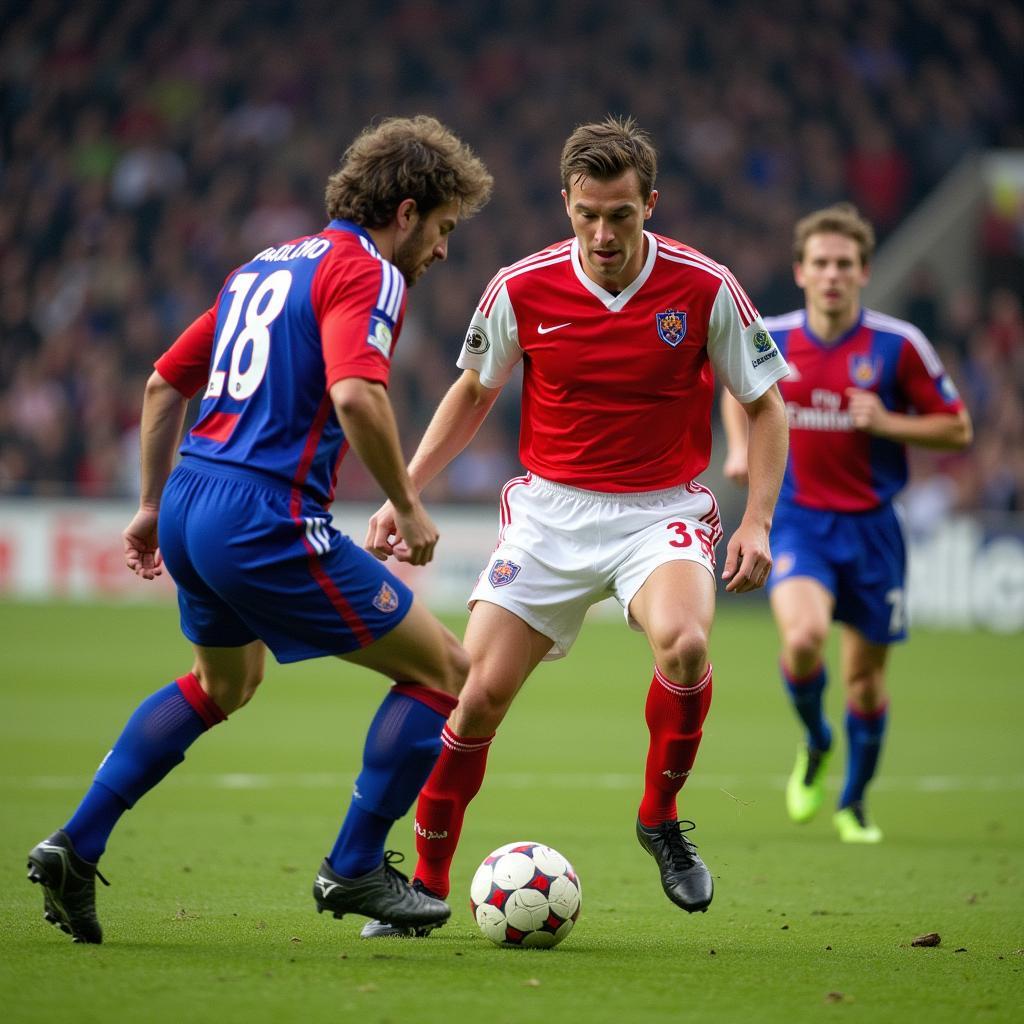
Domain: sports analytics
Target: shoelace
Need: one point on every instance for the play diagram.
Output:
(679, 847)
(395, 877)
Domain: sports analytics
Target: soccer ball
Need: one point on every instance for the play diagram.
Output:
(525, 894)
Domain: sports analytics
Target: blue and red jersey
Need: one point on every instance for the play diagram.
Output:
(286, 326)
(832, 465)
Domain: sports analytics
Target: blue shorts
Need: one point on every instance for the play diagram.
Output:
(859, 557)
(248, 566)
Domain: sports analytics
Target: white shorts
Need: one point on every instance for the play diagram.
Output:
(562, 549)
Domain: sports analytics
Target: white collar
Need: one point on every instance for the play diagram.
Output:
(614, 303)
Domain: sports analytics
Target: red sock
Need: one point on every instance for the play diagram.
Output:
(455, 780)
(675, 715)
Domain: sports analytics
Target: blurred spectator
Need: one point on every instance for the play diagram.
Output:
(148, 148)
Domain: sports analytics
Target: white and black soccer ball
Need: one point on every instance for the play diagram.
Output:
(525, 894)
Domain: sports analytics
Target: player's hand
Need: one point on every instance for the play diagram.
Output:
(382, 537)
(735, 468)
(141, 551)
(867, 412)
(416, 536)
(748, 560)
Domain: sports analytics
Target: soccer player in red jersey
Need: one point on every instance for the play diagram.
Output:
(620, 332)
(861, 387)
(293, 360)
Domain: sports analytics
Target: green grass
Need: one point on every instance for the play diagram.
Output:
(210, 917)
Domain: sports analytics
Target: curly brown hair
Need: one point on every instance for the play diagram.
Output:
(838, 219)
(607, 149)
(405, 158)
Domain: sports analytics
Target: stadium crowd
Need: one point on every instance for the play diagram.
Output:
(148, 148)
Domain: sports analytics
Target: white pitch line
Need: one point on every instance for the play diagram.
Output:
(557, 780)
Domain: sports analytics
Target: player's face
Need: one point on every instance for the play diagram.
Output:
(831, 275)
(425, 241)
(608, 220)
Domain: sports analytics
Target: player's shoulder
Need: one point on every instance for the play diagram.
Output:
(527, 268)
(691, 261)
(784, 322)
(551, 255)
(904, 333)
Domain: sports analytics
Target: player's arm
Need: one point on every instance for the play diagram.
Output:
(734, 420)
(365, 413)
(163, 417)
(180, 372)
(748, 560)
(453, 425)
(950, 431)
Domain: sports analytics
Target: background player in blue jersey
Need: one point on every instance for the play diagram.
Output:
(861, 387)
(294, 358)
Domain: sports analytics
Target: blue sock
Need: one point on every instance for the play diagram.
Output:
(807, 695)
(864, 735)
(154, 740)
(402, 745)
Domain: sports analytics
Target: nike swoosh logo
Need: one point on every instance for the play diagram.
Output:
(541, 329)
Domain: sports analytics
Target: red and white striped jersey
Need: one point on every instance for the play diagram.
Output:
(618, 389)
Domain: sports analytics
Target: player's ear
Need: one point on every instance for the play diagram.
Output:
(649, 205)
(406, 214)
(798, 274)
(565, 199)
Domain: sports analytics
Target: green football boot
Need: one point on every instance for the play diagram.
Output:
(805, 791)
(852, 825)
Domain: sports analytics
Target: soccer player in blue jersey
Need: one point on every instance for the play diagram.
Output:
(861, 387)
(294, 358)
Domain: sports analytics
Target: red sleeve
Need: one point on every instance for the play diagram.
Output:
(186, 364)
(357, 337)
(924, 381)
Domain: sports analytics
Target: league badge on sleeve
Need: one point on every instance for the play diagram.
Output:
(503, 572)
(476, 341)
(671, 326)
(380, 337)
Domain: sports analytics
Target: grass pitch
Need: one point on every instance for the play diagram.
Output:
(210, 916)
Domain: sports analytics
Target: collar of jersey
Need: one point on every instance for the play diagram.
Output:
(829, 345)
(613, 303)
(355, 229)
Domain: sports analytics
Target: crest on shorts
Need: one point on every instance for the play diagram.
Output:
(386, 599)
(503, 572)
(865, 370)
(783, 564)
(671, 326)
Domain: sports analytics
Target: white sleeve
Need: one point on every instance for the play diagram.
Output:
(745, 358)
(492, 342)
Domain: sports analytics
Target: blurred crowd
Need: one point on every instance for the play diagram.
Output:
(147, 148)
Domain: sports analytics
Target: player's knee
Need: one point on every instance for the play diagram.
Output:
(481, 709)
(865, 691)
(454, 667)
(804, 646)
(683, 654)
(230, 692)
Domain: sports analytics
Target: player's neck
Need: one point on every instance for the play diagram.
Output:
(831, 328)
(384, 239)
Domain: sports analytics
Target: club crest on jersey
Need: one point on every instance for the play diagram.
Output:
(865, 370)
(476, 341)
(503, 572)
(386, 599)
(671, 326)
(380, 337)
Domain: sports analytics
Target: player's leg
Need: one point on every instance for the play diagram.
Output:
(503, 651)
(802, 606)
(153, 742)
(867, 703)
(675, 608)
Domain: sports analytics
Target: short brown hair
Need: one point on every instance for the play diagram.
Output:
(838, 219)
(405, 158)
(607, 149)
